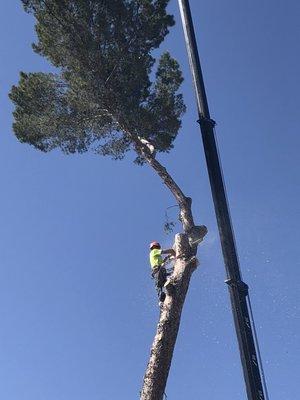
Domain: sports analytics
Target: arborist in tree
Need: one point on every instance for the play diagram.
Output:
(159, 272)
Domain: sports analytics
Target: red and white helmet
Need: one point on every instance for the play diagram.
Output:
(154, 244)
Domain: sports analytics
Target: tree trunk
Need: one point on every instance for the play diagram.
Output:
(185, 246)
(157, 372)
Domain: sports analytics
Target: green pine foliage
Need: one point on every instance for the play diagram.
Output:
(102, 51)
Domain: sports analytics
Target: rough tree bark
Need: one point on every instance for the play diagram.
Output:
(161, 354)
(159, 364)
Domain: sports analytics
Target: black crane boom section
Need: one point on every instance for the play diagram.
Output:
(237, 288)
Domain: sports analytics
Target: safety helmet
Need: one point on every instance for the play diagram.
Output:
(154, 244)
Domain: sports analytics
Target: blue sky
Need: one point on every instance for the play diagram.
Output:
(77, 306)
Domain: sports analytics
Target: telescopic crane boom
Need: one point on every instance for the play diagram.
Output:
(237, 288)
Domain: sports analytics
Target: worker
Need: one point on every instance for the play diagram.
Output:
(159, 272)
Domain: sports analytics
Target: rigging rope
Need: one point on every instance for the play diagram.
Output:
(257, 348)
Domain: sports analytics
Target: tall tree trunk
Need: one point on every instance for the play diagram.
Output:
(185, 246)
(157, 372)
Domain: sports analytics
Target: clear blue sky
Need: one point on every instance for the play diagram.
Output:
(77, 307)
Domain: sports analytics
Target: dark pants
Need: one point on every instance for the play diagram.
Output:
(160, 277)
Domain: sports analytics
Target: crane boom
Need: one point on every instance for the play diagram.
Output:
(237, 288)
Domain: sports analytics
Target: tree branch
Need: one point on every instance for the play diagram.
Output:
(184, 202)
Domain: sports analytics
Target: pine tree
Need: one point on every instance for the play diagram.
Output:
(102, 99)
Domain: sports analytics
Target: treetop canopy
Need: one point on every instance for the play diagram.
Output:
(102, 92)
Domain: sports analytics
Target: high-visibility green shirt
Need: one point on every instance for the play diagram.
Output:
(155, 258)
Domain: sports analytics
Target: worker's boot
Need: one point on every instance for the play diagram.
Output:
(168, 285)
(162, 297)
